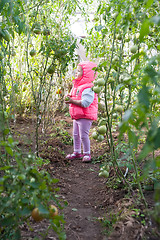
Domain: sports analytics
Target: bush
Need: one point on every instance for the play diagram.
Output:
(22, 188)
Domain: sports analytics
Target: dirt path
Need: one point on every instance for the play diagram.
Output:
(81, 187)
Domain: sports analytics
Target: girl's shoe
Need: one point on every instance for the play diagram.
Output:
(74, 155)
(86, 158)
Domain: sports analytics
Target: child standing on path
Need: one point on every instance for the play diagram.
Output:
(83, 108)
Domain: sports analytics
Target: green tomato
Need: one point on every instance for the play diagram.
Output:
(6, 35)
(119, 37)
(105, 167)
(134, 49)
(36, 25)
(104, 173)
(51, 69)
(1, 56)
(67, 99)
(127, 39)
(13, 53)
(100, 138)
(119, 108)
(102, 122)
(111, 80)
(101, 82)
(115, 59)
(21, 177)
(46, 32)
(102, 168)
(24, 88)
(102, 129)
(95, 135)
(114, 15)
(37, 30)
(96, 89)
(95, 83)
(15, 87)
(114, 115)
(32, 180)
(32, 52)
(101, 106)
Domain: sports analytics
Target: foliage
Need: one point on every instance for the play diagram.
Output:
(36, 51)
(22, 188)
(33, 38)
(125, 35)
(63, 135)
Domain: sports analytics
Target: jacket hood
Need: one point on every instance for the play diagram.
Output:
(88, 74)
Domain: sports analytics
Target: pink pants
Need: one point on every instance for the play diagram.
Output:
(81, 129)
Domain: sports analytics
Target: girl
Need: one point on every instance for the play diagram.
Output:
(83, 108)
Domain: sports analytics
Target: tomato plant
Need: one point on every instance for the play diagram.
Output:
(124, 39)
(24, 85)
(25, 191)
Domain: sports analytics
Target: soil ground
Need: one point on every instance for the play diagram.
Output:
(98, 208)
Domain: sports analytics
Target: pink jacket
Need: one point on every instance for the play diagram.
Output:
(79, 86)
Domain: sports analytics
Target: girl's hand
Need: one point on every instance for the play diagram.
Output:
(67, 99)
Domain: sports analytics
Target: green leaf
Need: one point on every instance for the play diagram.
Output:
(104, 31)
(157, 161)
(153, 140)
(144, 96)
(127, 115)
(119, 86)
(74, 209)
(5, 168)
(149, 3)
(25, 200)
(10, 139)
(156, 20)
(43, 186)
(133, 138)
(157, 185)
(25, 211)
(2, 4)
(17, 234)
(152, 133)
(62, 236)
(34, 184)
(98, 28)
(144, 29)
(9, 151)
(150, 71)
(6, 131)
(99, 7)
(55, 180)
(105, 63)
(65, 203)
(42, 209)
(8, 221)
(135, 56)
(156, 140)
(118, 18)
(147, 148)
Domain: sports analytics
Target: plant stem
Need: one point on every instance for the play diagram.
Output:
(137, 179)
